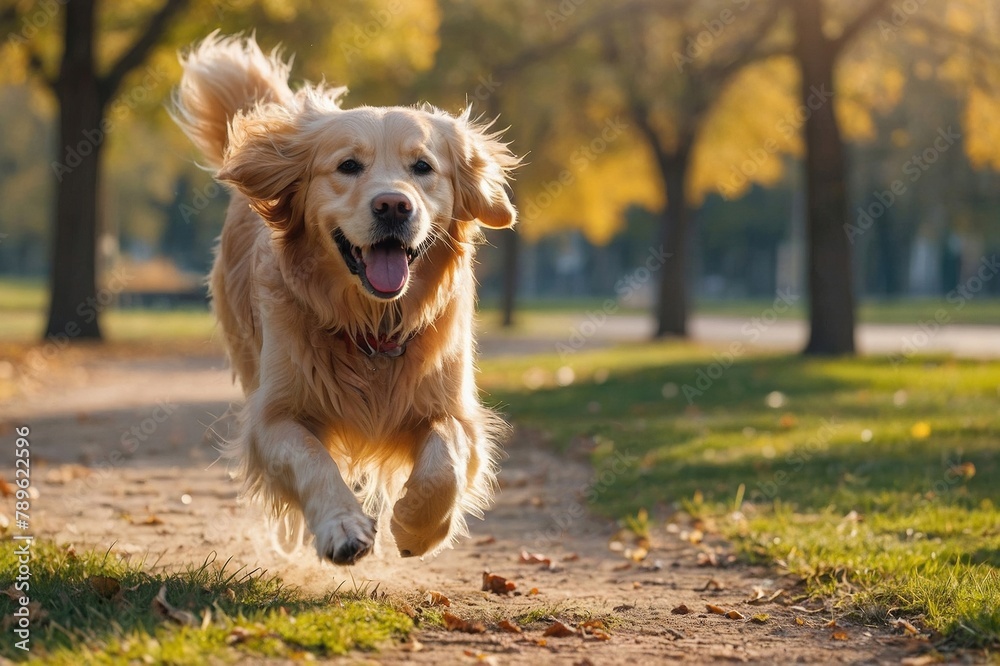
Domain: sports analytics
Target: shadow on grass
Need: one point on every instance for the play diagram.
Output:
(92, 604)
(786, 428)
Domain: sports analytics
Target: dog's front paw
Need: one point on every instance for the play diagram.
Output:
(346, 538)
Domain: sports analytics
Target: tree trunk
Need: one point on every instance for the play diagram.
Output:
(671, 306)
(74, 303)
(511, 246)
(831, 294)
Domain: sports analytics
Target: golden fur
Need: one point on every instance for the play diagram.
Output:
(324, 422)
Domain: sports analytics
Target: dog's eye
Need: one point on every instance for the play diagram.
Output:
(421, 167)
(350, 167)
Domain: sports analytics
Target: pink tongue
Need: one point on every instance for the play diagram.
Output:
(386, 267)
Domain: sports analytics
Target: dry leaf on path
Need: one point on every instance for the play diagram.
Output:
(437, 599)
(509, 627)
(534, 558)
(906, 626)
(455, 623)
(559, 630)
(105, 587)
(497, 584)
(681, 610)
(712, 585)
(839, 636)
(712, 608)
(735, 615)
(179, 615)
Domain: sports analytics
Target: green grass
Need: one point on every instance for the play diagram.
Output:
(233, 614)
(799, 444)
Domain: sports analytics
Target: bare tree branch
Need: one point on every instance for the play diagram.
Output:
(137, 53)
(750, 50)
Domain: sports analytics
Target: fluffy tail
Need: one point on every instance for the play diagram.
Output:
(223, 76)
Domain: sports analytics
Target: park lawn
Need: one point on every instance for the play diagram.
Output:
(90, 607)
(876, 483)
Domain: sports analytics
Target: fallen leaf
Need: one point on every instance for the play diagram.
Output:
(707, 558)
(437, 599)
(238, 635)
(181, 616)
(799, 621)
(712, 608)
(965, 471)
(533, 592)
(636, 554)
(413, 645)
(760, 618)
(839, 636)
(735, 615)
(559, 630)
(105, 587)
(455, 623)
(681, 610)
(540, 642)
(712, 584)
(509, 627)
(832, 623)
(906, 626)
(534, 558)
(497, 584)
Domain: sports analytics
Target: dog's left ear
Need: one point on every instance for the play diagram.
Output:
(482, 168)
(266, 160)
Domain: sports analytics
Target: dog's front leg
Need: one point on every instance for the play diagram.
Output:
(426, 514)
(293, 466)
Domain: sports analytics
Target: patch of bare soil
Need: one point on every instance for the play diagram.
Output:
(123, 458)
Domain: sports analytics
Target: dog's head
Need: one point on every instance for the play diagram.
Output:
(372, 187)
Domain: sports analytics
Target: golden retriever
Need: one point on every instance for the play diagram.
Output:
(344, 286)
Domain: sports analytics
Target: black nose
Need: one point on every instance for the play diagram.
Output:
(392, 208)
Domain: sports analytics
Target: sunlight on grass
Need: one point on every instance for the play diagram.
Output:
(91, 607)
(876, 483)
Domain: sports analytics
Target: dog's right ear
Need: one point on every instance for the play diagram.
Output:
(266, 159)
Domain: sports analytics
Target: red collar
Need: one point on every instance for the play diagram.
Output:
(370, 345)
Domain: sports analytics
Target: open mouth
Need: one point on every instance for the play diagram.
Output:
(383, 268)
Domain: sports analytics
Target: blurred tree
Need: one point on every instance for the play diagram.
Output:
(83, 92)
(672, 66)
(831, 292)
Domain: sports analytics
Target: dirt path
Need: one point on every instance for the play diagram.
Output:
(128, 451)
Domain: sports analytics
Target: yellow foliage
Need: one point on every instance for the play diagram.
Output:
(755, 123)
(598, 182)
(982, 129)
